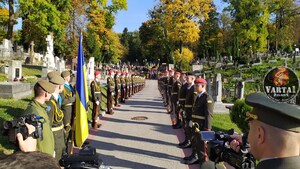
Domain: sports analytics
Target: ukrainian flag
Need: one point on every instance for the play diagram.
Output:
(81, 122)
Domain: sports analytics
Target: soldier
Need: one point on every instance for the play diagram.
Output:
(123, 87)
(201, 121)
(175, 89)
(110, 91)
(165, 87)
(181, 98)
(188, 107)
(117, 88)
(127, 86)
(274, 133)
(170, 85)
(96, 99)
(68, 101)
(56, 116)
(133, 84)
(42, 93)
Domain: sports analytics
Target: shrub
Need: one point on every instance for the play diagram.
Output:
(238, 114)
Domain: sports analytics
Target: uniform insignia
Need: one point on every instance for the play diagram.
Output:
(48, 108)
(209, 101)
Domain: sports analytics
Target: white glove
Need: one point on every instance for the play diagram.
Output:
(112, 93)
(191, 124)
(97, 102)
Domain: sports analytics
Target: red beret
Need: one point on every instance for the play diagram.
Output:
(171, 70)
(124, 73)
(111, 71)
(177, 73)
(118, 71)
(97, 73)
(200, 80)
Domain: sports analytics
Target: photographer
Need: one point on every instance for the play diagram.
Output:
(274, 134)
(29, 144)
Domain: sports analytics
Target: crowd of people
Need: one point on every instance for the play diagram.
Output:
(54, 100)
(274, 127)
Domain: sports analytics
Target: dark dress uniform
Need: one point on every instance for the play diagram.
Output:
(181, 99)
(202, 120)
(188, 108)
(110, 93)
(117, 90)
(96, 96)
(175, 89)
(56, 116)
(123, 88)
(68, 103)
(170, 85)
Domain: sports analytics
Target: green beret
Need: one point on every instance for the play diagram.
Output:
(278, 114)
(65, 73)
(57, 80)
(53, 73)
(47, 86)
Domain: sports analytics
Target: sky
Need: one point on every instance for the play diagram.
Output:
(137, 13)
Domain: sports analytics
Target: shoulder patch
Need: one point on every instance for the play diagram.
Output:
(48, 108)
(209, 101)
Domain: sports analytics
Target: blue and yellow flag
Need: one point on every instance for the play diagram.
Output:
(81, 123)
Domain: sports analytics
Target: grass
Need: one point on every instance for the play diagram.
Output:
(31, 72)
(3, 77)
(222, 122)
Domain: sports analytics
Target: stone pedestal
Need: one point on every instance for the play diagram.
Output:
(16, 90)
(15, 70)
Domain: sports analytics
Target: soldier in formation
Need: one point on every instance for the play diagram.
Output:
(96, 99)
(117, 88)
(110, 91)
(174, 97)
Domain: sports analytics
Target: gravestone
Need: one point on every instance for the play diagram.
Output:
(31, 53)
(15, 70)
(16, 90)
(4, 69)
(239, 89)
(218, 88)
(197, 67)
(171, 66)
(90, 68)
(49, 58)
(6, 49)
(272, 61)
(218, 66)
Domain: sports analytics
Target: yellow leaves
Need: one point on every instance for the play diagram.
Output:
(182, 16)
(185, 56)
(4, 14)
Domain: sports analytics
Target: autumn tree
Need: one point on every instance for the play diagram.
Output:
(4, 15)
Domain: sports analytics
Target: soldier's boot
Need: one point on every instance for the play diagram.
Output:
(193, 160)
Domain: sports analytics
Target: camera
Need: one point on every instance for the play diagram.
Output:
(218, 150)
(12, 128)
(86, 158)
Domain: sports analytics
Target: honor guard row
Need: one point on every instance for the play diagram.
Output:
(121, 86)
(190, 107)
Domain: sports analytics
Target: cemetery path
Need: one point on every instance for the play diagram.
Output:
(147, 144)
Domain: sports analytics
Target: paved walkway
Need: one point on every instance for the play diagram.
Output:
(148, 144)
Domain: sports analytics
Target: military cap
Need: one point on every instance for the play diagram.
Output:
(124, 73)
(53, 73)
(177, 73)
(58, 80)
(65, 73)
(97, 73)
(278, 114)
(118, 71)
(190, 74)
(47, 86)
(200, 80)
(111, 71)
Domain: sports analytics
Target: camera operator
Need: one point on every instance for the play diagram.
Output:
(274, 134)
(42, 93)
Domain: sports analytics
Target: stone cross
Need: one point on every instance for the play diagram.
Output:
(31, 52)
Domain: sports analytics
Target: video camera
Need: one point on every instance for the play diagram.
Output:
(218, 150)
(86, 158)
(12, 128)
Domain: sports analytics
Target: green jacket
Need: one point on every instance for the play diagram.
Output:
(47, 144)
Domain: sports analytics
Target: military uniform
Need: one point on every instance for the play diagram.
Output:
(56, 116)
(110, 93)
(181, 99)
(202, 120)
(96, 98)
(169, 94)
(117, 90)
(127, 87)
(175, 89)
(47, 144)
(165, 81)
(123, 89)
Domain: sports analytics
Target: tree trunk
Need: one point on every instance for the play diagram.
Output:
(10, 27)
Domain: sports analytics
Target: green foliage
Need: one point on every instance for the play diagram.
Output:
(238, 115)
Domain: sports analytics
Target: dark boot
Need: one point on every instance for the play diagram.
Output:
(187, 145)
(193, 160)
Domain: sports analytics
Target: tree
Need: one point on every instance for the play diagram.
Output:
(250, 24)
(183, 59)
(4, 15)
